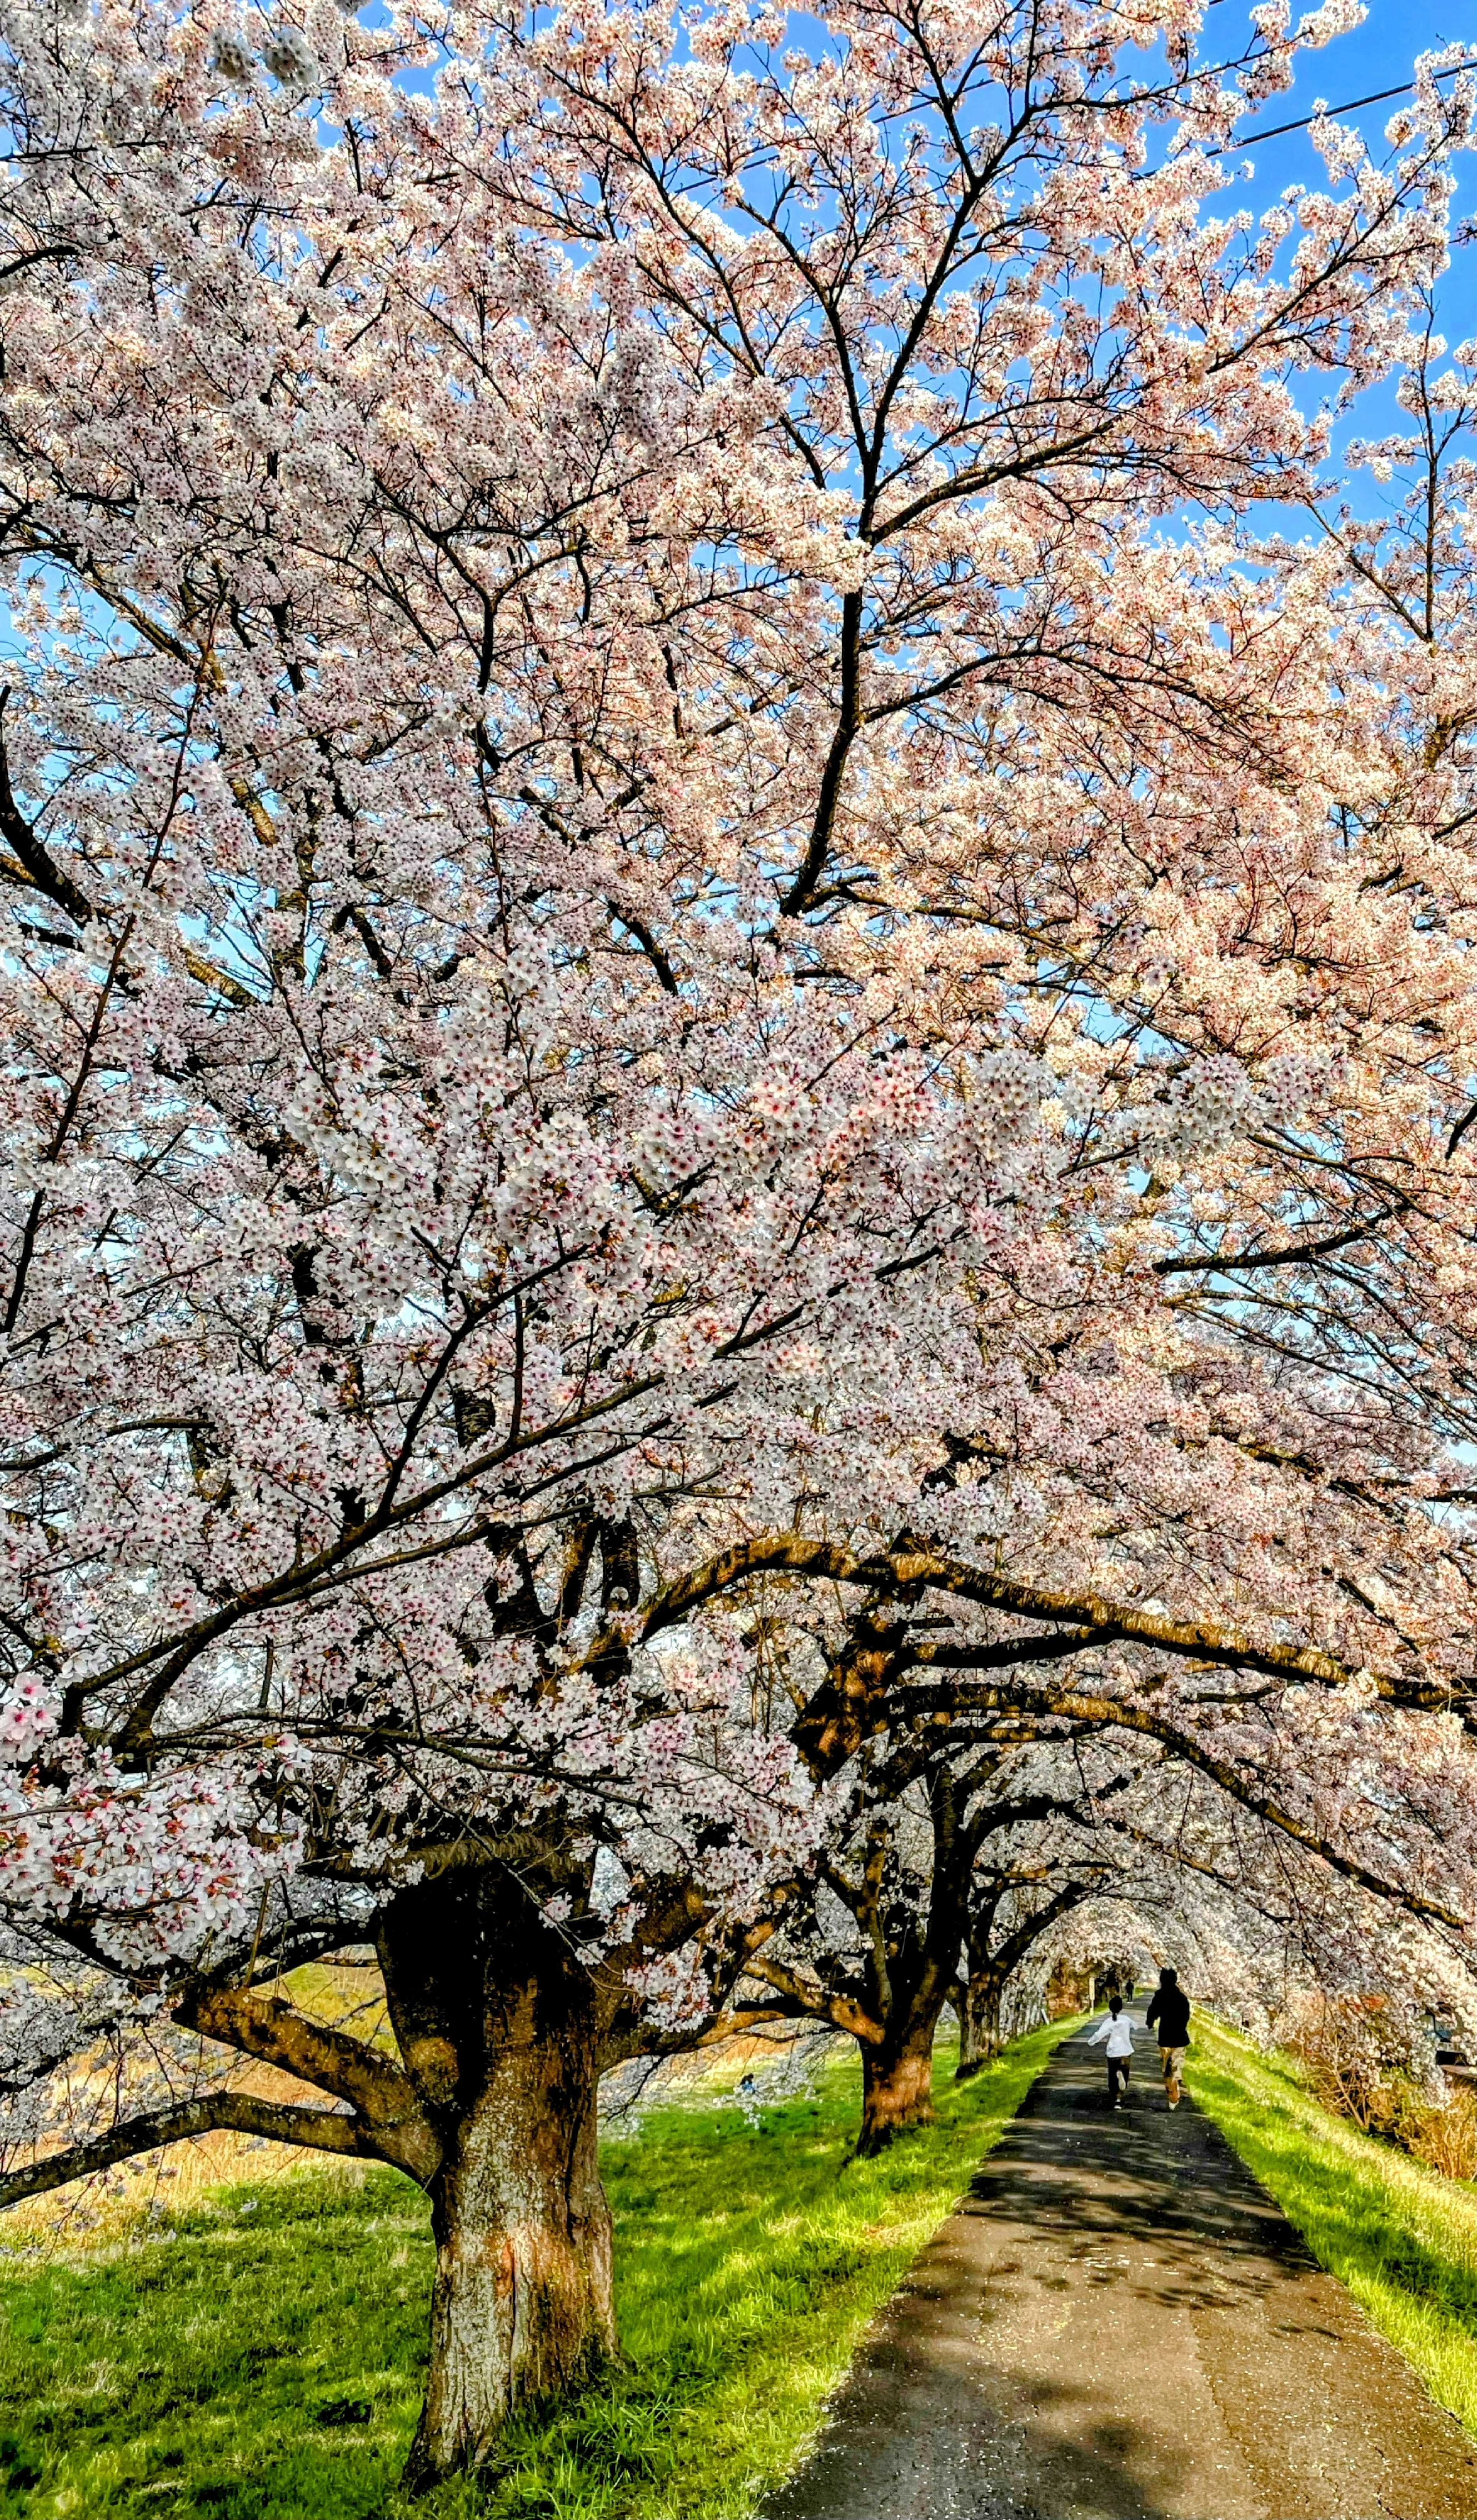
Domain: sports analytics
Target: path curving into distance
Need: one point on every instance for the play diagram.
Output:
(1118, 2323)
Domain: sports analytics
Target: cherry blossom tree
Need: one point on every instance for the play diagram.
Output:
(873, 1943)
(974, 1821)
(1016, 1901)
(728, 1026)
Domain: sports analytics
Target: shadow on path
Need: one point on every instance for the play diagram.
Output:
(1119, 2325)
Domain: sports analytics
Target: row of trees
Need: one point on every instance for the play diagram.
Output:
(739, 1215)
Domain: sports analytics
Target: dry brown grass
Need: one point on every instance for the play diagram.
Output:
(106, 2210)
(1446, 2139)
(1346, 2067)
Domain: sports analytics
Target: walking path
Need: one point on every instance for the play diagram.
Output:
(1119, 2325)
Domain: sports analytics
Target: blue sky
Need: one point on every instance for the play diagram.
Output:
(1379, 55)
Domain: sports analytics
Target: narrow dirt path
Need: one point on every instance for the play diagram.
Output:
(1119, 2325)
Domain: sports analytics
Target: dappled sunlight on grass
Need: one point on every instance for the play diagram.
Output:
(262, 2361)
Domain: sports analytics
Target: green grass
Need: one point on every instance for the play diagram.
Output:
(263, 2361)
(1402, 2239)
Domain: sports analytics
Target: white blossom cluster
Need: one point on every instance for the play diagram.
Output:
(1205, 1108)
(287, 55)
(660, 957)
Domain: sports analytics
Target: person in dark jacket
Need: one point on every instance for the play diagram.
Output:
(1170, 2009)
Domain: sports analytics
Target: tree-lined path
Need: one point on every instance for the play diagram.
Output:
(1119, 2321)
(737, 1129)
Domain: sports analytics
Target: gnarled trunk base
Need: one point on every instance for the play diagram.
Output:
(521, 2303)
(897, 2093)
(496, 2020)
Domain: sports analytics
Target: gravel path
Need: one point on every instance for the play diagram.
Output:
(1119, 2325)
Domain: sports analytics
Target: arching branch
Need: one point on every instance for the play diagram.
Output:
(1077, 1706)
(815, 2004)
(1096, 1620)
(275, 2030)
(238, 2112)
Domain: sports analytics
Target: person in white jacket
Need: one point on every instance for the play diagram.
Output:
(1119, 2034)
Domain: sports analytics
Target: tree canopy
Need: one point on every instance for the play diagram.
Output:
(737, 909)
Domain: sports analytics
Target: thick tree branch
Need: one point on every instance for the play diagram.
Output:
(33, 862)
(905, 1569)
(815, 2001)
(270, 2028)
(811, 866)
(319, 2130)
(1286, 1258)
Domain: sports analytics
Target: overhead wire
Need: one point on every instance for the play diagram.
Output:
(1380, 96)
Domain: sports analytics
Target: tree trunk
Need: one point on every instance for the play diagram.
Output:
(522, 2300)
(978, 2024)
(897, 2087)
(497, 2023)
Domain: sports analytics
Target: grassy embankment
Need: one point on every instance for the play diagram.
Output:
(260, 2360)
(1402, 2239)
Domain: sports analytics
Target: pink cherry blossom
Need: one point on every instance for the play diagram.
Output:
(738, 1027)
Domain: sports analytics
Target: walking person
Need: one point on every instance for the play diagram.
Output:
(1170, 2008)
(1118, 2031)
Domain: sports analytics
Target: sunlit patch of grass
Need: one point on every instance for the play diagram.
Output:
(263, 2361)
(1400, 2237)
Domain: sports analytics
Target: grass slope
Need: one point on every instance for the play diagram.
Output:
(262, 2361)
(1402, 2239)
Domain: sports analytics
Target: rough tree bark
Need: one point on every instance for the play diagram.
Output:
(977, 2001)
(497, 2024)
(897, 2075)
(990, 1965)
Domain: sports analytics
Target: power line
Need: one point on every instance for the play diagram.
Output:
(1381, 96)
